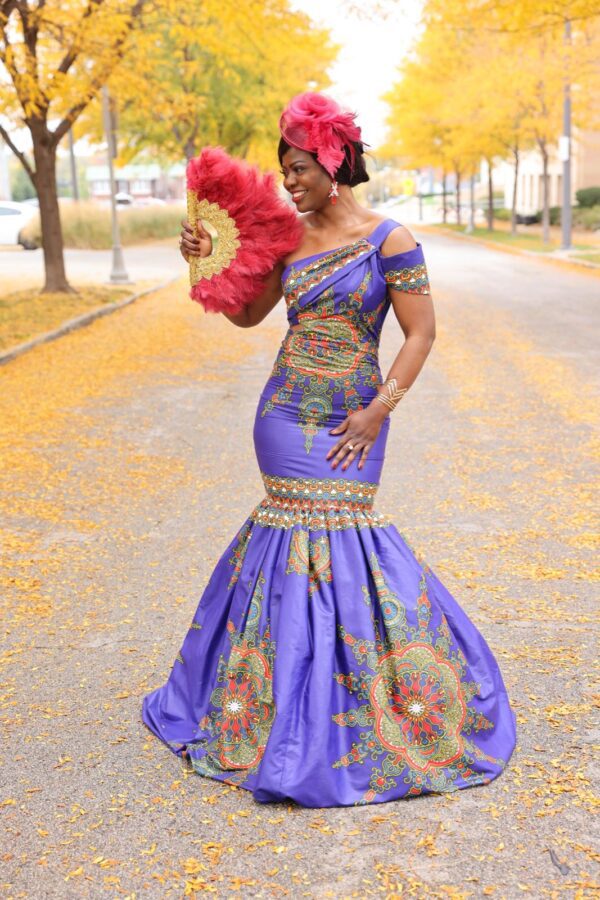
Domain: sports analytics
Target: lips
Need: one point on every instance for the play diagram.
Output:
(297, 196)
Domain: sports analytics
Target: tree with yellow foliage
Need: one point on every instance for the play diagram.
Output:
(55, 55)
(517, 17)
(426, 124)
(416, 130)
(214, 72)
(204, 71)
(527, 68)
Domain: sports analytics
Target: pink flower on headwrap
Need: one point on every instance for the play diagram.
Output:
(315, 123)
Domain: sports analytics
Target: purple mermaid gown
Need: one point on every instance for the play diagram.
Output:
(325, 663)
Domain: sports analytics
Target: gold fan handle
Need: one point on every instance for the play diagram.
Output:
(192, 216)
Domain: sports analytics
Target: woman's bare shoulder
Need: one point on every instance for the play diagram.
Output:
(399, 240)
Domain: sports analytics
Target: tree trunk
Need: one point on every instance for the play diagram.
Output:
(513, 214)
(546, 196)
(490, 211)
(44, 154)
(444, 199)
(458, 215)
(189, 149)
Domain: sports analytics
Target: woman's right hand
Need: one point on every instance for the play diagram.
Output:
(192, 243)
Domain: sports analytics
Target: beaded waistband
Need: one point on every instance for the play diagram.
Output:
(332, 503)
(320, 493)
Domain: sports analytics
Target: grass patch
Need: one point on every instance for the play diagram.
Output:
(589, 257)
(521, 241)
(26, 313)
(87, 226)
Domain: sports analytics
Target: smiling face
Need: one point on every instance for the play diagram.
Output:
(304, 178)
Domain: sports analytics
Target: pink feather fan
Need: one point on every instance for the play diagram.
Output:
(255, 229)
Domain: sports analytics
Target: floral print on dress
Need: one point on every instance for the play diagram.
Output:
(311, 558)
(238, 725)
(414, 715)
(239, 551)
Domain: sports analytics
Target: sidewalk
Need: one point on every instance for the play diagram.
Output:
(584, 243)
(28, 317)
(569, 258)
(157, 260)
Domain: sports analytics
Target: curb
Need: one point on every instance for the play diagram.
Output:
(516, 251)
(78, 322)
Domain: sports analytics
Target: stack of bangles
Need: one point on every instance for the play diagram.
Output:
(391, 394)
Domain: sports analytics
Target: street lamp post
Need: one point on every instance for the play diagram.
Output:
(118, 273)
(565, 155)
(5, 192)
(471, 225)
(73, 165)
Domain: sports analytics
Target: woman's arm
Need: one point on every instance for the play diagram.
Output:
(414, 312)
(255, 312)
(415, 315)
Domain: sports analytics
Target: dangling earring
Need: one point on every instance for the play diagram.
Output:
(333, 192)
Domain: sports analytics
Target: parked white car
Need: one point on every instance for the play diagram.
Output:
(13, 218)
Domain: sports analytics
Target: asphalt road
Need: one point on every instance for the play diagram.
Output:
(127, 466)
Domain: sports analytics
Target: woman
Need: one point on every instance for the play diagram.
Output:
(325, 662)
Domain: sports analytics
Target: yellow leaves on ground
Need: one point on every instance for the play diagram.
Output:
(27, 313)
(42, 405)
(61, 409)
(533, 472)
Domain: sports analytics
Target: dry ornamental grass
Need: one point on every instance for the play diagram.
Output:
(86, 225)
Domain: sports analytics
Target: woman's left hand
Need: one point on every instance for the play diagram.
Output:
(360, 430)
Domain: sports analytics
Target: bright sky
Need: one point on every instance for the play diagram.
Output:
(371, 50)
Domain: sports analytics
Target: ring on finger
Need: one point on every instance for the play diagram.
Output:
(350, 446)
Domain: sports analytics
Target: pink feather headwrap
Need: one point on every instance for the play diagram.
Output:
(317, 124)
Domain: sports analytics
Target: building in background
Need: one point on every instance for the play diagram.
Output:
(585, 172)
(140, 180)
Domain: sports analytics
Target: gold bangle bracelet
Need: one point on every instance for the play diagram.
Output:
(391, 394)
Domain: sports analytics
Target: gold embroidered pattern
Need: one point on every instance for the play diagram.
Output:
(226, 246)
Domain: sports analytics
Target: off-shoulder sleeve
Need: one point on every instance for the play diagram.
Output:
(406, 271)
